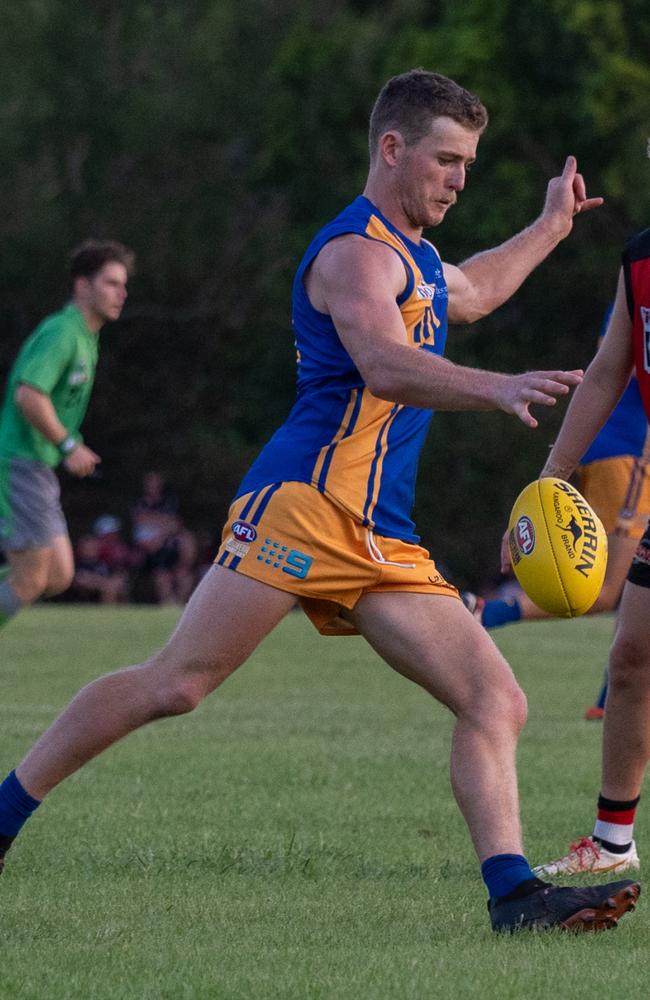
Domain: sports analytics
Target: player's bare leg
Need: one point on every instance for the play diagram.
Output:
(29, 572)
(434, 641)
(225, 620)
(626, 733)
(61, 566)
(626, 748)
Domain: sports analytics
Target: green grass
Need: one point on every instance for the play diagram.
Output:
(296, 836)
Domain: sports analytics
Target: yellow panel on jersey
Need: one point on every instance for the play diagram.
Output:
(359, 450)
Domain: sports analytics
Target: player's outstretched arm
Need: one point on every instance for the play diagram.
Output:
(485, 281)
(604, 383)
(357, 281)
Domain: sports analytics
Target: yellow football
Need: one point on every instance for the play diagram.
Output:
(558, 547)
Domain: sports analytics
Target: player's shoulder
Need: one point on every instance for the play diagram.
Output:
(351, 257)
(638, 246)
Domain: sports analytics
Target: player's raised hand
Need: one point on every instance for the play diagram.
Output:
(566, 196)
(519, 391)
(82, 461)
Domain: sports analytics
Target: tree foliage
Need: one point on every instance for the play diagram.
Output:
(216, 137)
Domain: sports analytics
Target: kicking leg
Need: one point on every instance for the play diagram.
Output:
(225, 620)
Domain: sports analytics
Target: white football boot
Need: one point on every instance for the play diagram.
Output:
(586, 856)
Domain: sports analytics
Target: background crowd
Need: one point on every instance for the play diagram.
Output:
(153, 557)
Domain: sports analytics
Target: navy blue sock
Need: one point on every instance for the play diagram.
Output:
(602, 697)
(496, 613)
(16, 805)
(504, 872)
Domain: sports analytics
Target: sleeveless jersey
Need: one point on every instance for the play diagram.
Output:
(636, 268)
(360, 451)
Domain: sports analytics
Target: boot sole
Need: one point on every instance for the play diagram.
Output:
(606, 916)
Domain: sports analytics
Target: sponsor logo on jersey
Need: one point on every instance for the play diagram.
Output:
(244, 532)
(425, 291)
(525, 535)
(78, 377)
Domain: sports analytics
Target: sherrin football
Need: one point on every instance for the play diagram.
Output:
(558, 547)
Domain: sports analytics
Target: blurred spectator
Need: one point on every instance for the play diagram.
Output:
(103, 563)
(167, 549)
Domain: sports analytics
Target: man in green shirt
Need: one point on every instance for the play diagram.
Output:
(46, 399)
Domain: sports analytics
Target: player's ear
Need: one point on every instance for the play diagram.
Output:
(80, 286)
(391, 147)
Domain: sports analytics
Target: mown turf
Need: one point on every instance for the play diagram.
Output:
(296, 837)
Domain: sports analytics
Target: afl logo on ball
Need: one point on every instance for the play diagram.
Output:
(243, 531)
(525, 535)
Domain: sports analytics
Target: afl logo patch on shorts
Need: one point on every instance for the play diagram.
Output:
(244, 532)
(525, 535)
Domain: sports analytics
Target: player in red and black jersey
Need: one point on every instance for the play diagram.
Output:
(626, 733)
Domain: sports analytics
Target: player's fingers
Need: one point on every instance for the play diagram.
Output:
(543, 398)
(573, 377)
(552, 387)
(526, 418)
(589, 203)
(579, 188)
(570, 168)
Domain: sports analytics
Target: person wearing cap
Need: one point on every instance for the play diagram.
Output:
(103, 563)
(47, 394)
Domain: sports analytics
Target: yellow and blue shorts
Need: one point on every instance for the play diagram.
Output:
(293, 538)
(619, 491)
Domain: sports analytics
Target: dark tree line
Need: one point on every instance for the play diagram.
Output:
(215, 137)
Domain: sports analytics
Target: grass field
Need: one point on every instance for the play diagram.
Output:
(295, 837)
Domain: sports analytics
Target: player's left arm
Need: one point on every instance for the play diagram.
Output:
(595, 398)
(482, 283)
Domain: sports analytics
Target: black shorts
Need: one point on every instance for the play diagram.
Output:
(640, 568)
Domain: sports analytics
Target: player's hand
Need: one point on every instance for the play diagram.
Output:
(506, 561)
(519, 391)
(82, 461)
(566, 196)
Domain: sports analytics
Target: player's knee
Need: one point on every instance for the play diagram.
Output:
(511, 708)
(183, 691)
(502, 708)
(628, 665)
(58, 581)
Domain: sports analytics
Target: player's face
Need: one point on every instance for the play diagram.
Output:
(431, 172)
(104, 295)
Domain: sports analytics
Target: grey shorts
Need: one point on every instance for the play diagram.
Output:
(30, 505)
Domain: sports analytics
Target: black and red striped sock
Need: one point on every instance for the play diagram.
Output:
(614, 827)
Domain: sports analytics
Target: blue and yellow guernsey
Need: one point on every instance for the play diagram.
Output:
(360, 451)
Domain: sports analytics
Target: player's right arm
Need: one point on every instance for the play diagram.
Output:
(357, 281)
(37, 408)
(602, 387)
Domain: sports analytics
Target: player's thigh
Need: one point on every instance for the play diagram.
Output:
(620, 549)
(226, 618)
(434, 641)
